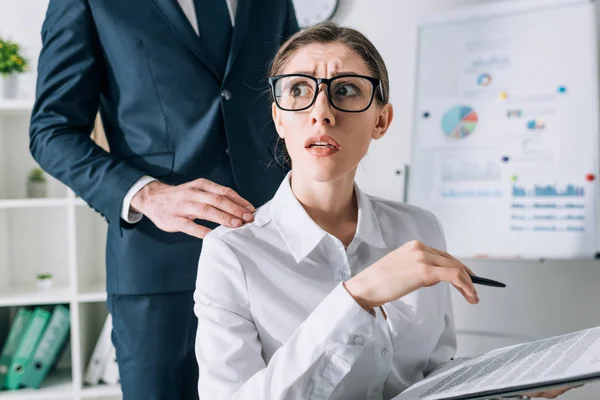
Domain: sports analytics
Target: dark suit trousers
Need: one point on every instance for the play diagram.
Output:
(155, 340)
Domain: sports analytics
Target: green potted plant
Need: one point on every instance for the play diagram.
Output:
(45, 281)
(12, 63)
(36, 183)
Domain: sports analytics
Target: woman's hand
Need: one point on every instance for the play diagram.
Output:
(410, 267)
(551, 394)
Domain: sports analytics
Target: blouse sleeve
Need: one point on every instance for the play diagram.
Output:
(446, 345)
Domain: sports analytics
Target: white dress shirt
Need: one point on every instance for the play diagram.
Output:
(275, 321)
(190, 12)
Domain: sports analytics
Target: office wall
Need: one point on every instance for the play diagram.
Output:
(542, 299)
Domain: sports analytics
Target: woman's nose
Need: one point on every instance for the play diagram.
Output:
(321, 112)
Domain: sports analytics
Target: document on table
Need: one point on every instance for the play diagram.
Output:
(558, 361)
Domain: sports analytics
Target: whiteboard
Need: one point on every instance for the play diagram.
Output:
(505, 138)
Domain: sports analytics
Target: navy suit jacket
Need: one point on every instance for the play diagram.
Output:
(159, 93)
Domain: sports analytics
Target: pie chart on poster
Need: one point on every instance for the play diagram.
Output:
(459, 122)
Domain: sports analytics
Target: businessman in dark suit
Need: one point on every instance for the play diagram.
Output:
(177, 84)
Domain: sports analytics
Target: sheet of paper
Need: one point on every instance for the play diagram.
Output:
(574, 355)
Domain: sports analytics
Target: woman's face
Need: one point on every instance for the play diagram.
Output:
(350, 133)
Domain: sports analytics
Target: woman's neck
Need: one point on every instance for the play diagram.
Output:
(332, 205)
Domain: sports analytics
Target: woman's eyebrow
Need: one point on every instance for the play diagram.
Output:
(311, 73)
(332, 73)
(336, 73)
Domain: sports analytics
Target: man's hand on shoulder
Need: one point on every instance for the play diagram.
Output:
(174, 208)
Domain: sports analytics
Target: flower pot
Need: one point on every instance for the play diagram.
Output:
(9, 86)
(45, 283)
(36, 190)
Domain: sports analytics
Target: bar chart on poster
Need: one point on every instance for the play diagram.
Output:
(505, 140)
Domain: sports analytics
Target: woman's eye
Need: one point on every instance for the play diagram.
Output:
(347, 90)
(300, 90)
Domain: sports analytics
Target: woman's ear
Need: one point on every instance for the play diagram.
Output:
(383, 121)
(277, 120)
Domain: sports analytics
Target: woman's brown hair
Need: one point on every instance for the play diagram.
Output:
(330, 32)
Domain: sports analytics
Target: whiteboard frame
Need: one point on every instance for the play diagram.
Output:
(494, 10)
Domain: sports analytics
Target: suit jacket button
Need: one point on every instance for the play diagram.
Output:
(226, 95)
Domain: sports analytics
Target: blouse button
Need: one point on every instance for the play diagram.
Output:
(385, 352)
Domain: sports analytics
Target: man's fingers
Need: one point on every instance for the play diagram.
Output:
(210, 213)
(224, 203)
(215, 188)
(193, 229)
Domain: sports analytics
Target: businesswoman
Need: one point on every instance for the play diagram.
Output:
(330, 293)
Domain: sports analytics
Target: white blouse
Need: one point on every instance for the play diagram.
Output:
(275, 321)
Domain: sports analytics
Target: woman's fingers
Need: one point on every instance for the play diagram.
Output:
(449, 270)
(459, 280)
(452, 264)
(470, 299)
(448, 255)
(552, 394)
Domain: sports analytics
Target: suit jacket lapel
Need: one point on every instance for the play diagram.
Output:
(242, 18)
(176, 19)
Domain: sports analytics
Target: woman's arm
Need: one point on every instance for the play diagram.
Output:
(310, 364)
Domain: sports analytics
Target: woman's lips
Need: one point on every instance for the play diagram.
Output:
(322, 151)
(322, 146)
(321, 139)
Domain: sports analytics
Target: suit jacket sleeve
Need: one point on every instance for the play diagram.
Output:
(70, 75)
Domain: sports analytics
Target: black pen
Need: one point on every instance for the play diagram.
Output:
(486, 282)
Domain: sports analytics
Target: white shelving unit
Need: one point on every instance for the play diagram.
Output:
(60, 235)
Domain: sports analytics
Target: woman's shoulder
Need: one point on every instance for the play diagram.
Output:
(225, 251)
(407, 220)
(399, 210)
(245, 235)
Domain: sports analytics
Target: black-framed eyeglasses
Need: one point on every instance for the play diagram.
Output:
(348, 93)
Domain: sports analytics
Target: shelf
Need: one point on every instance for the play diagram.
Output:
(16, 106)
(92, 293)
(23, 295)
(101, 390)
(58, 385)
(34, 203)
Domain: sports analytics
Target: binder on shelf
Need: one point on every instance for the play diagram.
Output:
(100, 355)
(26, 347)
(110, 374)
(50, 346)
(17, 328)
